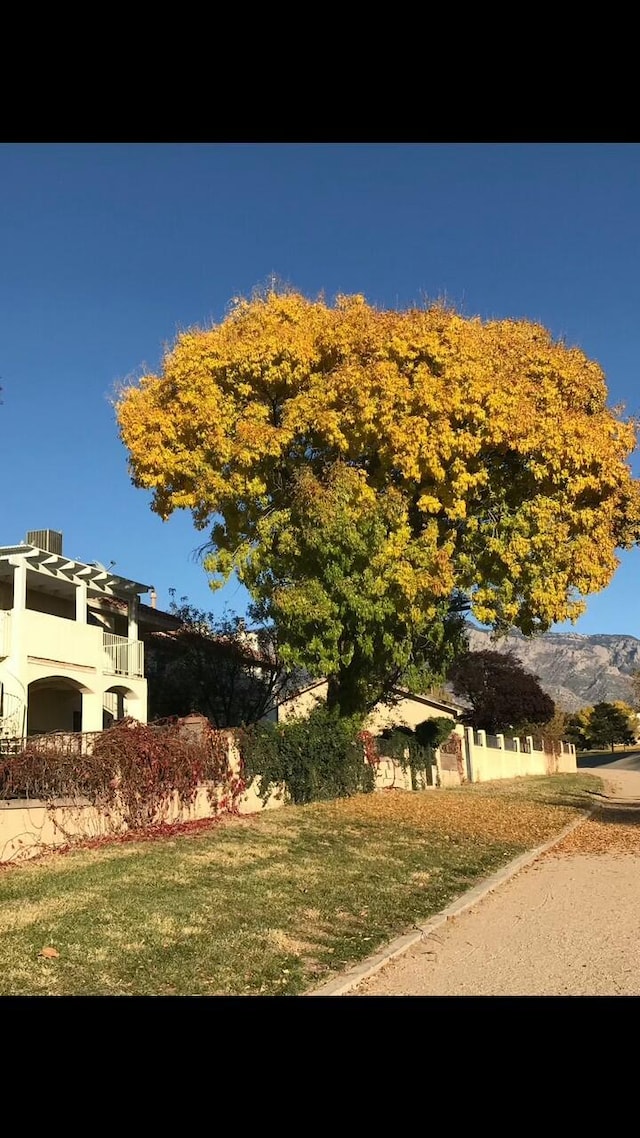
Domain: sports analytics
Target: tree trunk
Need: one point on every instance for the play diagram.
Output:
(341, 696)
(350, 690)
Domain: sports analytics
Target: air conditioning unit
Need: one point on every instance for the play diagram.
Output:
(48, 539)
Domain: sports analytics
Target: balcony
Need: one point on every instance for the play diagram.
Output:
(68, 645)
(75, 645)
(122, 657)
(53, 640)
(5, 634)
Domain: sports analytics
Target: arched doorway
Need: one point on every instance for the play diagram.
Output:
(55, 704)
(117, 703)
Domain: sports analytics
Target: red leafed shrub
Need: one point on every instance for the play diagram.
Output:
(132, 767)
(369, 747)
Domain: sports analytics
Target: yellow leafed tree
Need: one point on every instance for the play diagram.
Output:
(369, 473)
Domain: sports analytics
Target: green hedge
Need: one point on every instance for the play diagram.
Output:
(316, 758)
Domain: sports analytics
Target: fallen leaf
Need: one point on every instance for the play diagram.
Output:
(50, 953)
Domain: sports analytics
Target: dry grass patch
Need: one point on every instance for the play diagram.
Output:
(22, 913)
(267, 905)
(457, 816)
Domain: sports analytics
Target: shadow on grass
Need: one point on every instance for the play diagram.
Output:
(606, 808)
(576, 800)
(618, 813)
(588, 762)
(568, 790)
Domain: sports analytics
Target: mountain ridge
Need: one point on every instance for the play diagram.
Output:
(574, 668)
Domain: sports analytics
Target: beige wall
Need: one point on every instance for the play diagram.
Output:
(407, 712)
(448, 778)
(389, 775)
(26, 831)
(299, 706)
(488, 763)
(75, 643)
(109, 621)
(29, 830)
(492, 764)
(104, 619)
(5, 633)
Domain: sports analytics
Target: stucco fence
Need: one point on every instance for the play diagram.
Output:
(31, 827)
(504, 756)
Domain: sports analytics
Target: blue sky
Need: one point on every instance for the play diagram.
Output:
(108, 250)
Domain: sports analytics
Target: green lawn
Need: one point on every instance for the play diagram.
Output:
(271, 904)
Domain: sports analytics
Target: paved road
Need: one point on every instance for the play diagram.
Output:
(626, 762)
(567, 925)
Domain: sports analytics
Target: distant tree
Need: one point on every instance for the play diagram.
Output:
(629, 711)
(577, 731)
(555, 728)
(502, 694)
(215, 667)
(609, 724)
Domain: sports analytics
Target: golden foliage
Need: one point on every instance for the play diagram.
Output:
(609, 831)
(456, 816)
(511, 470)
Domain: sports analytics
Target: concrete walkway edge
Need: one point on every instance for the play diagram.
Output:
(366, 968)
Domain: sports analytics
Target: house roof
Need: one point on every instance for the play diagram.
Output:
(246, 647)
(445, 705)
(166, 627)
(427, 700)
(154, 618)
(99, 581)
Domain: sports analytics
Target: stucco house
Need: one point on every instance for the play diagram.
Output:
(407, 710)
(71, 640)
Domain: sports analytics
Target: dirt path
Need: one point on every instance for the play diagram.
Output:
(567, 925)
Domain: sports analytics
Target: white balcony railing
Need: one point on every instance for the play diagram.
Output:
(122, 657)
(5, 634)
